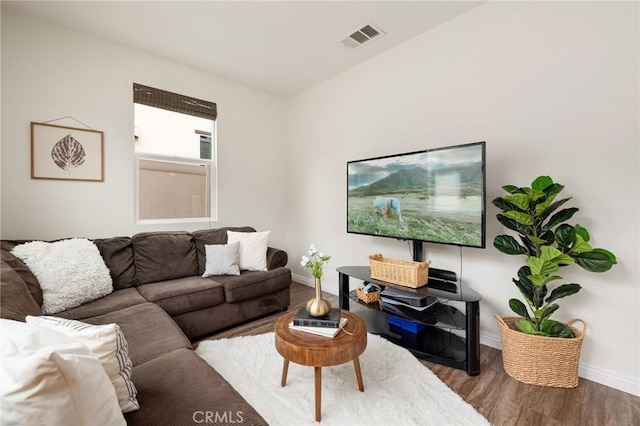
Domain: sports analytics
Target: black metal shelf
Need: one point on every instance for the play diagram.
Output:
(432, 343)
(437, 340)
(439, 315)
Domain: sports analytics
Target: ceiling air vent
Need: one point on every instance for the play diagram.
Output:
(361, 36)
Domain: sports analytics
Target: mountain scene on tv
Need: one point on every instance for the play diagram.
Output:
(431, 196)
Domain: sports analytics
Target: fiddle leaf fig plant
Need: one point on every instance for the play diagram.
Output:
(549, 244)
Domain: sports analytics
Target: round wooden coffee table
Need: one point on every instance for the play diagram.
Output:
(319, 351)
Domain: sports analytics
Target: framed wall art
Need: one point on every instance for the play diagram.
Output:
(66, 153)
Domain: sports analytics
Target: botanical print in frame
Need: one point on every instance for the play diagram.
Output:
(66, 153)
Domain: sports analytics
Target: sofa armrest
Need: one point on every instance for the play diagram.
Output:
(276, 258)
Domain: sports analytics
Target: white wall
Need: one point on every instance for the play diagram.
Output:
(553, 89)
(164, 132)
(49, 72)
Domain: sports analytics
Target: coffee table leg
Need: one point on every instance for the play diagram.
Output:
(356, 364)
(318, 377)
(285, 369)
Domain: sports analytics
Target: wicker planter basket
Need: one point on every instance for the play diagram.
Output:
(540, 360)
(401, 272)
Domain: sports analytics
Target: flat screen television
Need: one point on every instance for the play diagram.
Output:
(436, 196)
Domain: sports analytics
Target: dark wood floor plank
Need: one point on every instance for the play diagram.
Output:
(501, 399)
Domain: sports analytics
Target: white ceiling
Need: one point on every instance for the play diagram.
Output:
(280, 47)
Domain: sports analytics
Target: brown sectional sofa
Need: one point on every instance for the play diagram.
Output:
(162, 304)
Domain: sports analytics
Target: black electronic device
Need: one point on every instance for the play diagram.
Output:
(425, 316)
(443, 274)
(413, 299)
(444, 280)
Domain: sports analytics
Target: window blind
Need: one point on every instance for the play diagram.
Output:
(174, 102)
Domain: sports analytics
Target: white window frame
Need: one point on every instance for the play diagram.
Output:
(181, 104)
(212, 185)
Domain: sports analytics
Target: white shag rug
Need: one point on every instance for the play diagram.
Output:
(398, 389)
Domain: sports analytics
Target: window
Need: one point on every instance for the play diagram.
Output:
(175, 156)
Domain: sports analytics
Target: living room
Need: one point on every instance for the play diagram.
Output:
(551, 86)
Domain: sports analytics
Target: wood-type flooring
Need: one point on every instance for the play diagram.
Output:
(501, 399)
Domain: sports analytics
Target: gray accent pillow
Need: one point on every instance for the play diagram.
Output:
(221, 259)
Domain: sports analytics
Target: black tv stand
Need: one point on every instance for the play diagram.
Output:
(437, 342)
(416, 250)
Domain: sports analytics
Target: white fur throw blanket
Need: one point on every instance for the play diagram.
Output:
(70, 272)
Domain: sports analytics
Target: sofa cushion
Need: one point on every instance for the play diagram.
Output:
(213, 236)
(222, 259)
(117, 253)
(160, 256)
(252, 284)
(48, 378)
(107, 342)
(15, 300)
(185, 391)
(71, 272)
(119, 299)
(149, 330)
(196, 324)
(253, 249)
(22, 270)
(183, 294)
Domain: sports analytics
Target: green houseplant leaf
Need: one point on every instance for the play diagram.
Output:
(611, 256)
(555, 329)
(519, 217)
(541, 182)
(526, 326)
(508, 245)
(561, 216)
(565, 236)
(552, 254)
(546, 312)
(580, 245)
(553, 189)
(582, 232)
(534, 295)
(549, 244)
(521, 201)
(563, 291)
(518, 307)
(503, 204)
(540, 266)
(552, 208)
(513, 225)
(510, 188)
(594, 261)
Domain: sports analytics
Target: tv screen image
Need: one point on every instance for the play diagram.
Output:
(436, 195)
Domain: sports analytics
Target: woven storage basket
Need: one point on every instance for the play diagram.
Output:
(541, 360)
(401, 272)
(367, 297)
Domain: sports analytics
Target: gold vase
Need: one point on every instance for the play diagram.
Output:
(318, 307)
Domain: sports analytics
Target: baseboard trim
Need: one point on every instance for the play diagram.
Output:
(311, 282)
(613, 380)
(628, 384)
(624, 383)
(491, 340)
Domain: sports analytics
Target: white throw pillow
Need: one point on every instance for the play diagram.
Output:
(253, 249)
(108, 343)
(70, 272)
(51, 379)
(222, 259)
